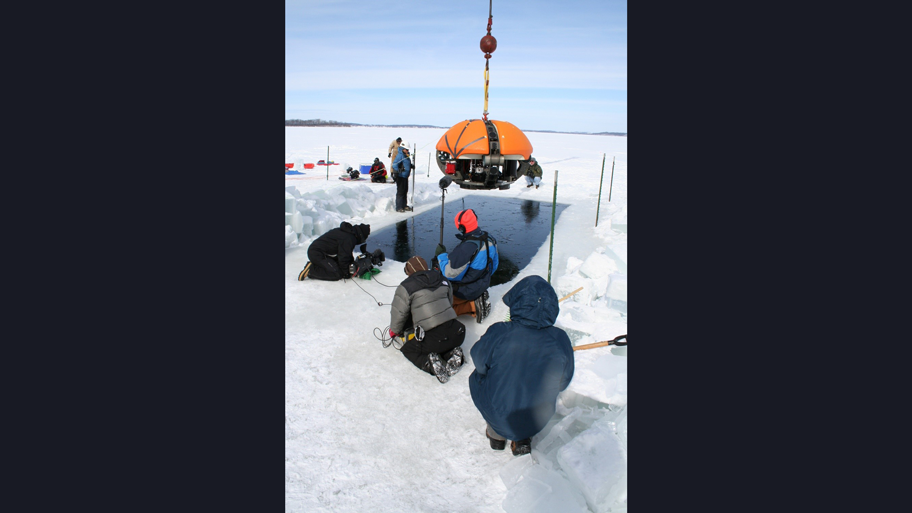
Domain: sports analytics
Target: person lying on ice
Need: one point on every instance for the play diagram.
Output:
(469, 266)
(521, 366)
(378, 171)
(331, 254)
(423, 305)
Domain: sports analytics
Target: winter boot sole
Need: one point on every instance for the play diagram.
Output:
(521, 447)
(439, 368)
(454, 363)
(482, 307)
(304, 272)
(497, 445)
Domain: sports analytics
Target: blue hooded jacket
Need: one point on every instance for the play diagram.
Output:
(406, 165)
(522, 365)
(467, 265)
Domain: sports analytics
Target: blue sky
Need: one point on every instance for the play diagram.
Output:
(558, 65)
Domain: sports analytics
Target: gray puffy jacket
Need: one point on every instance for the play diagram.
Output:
(423, 299)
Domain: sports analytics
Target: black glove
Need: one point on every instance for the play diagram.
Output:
(435, 264)
(389, 155)
(440, 249)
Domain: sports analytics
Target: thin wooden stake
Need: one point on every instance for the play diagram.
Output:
(570, 294)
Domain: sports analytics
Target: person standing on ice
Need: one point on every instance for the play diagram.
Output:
(378, 171)
(331, 254)
(423, 305)
(402, 168)
(393, 151)
(521, 366)
(533, 173)
(469, 266)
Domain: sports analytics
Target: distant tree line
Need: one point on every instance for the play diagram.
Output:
(324, 122)
(316, 122)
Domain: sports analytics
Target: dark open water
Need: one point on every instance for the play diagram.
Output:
(520, 227)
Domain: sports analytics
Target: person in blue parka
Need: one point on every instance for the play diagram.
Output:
(469, 266)
(402, 168)
(521, 366)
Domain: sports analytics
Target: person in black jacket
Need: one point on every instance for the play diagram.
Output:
(423, 307)
(331, 254)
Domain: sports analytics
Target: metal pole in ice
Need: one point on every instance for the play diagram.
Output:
(602, 179)
(553, 211)
(612, 180)
(327, 162)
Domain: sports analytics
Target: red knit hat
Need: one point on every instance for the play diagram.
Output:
(467, 219)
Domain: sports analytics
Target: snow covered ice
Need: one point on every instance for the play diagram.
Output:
(367, 431)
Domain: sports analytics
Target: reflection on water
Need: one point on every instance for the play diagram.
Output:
(529, 210)
(521, 227)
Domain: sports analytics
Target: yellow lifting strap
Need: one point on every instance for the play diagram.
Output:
(485, 115)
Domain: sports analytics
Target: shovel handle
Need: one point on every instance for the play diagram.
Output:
(614, 341)
(591, 346)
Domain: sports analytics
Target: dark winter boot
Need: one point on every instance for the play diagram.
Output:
(482, 307)
(438, 367)
(497, 445)
(303, 273)
(454, 362)
(521, 447)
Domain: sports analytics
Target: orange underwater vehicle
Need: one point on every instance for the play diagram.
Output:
(483, 154)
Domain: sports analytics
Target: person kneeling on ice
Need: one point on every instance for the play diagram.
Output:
(378, 171)
(469, 266)
(331, 256)
(423, 305)
(521, 365)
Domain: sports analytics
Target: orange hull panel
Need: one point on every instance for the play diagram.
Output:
(470, 137)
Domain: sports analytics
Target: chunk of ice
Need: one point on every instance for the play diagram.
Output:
(543, 491)
(307, 226)
(596, 464)
(290, 237)
(289, 202)
(512, 472)
(597, 266)
(544, 450)
(297, 222)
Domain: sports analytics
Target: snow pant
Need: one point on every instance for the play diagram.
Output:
(378, 179)
(530, 181)
(493, 434)
(401, 192)
(323, 267)
(463, 306)
(441, 340)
